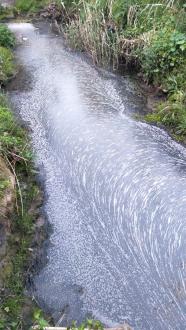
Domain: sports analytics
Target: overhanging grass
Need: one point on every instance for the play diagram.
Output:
(15, 150)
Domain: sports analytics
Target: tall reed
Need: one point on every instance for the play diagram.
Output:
(111, 31)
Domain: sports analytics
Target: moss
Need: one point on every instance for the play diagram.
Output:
(4, 184)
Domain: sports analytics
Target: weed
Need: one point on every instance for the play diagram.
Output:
(166, 51)
(39, 320)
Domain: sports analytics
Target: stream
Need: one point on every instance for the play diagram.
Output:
(115, 191)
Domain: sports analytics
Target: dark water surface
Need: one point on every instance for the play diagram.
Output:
(116, 192)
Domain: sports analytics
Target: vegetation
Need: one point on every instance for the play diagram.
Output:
(14, 149)
(147, 35)
(7, 67)
(30, 6)
(90, 324)
(6, 12)
(7, 41)
(15, 155)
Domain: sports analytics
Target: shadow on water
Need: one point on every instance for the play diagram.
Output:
(116, 196)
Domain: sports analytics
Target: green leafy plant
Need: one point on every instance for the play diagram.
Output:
(166, 51)
(88, 324)
(39, 320)
(7, 38)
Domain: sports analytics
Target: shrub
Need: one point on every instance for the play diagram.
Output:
(166, 51)
(7, 38)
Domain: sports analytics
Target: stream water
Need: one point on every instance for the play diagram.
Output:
(116, 192)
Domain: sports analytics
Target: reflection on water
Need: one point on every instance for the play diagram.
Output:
(116, 193)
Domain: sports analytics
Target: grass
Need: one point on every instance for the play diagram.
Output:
(146, 35)
(6, 12)
(16, 157)
(13, 139)
(30, 6)
(15, 150)
(7, 67)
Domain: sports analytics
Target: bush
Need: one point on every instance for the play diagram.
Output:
(166, 51)
(7, 38)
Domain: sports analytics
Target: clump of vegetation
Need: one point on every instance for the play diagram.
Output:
(164, 64)
(167, 50)
(172, 114)
(40, 323)
(7, 67)
(15, 150)
(16, 157)
(39, 320)
(30, 6)
(88, 324)
(148, 35)
(7, 38)
(13, 140)
(3, 12)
